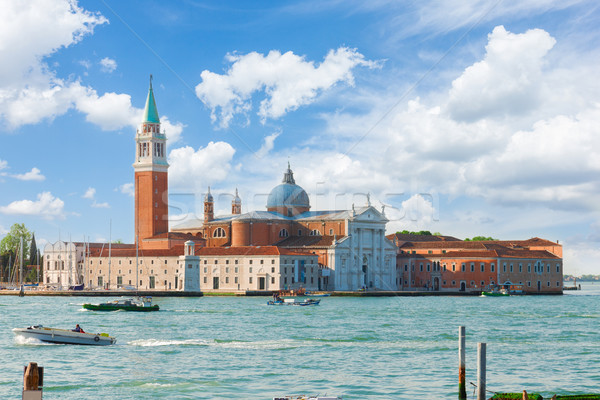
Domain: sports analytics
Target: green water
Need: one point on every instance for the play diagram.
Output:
(361, 348)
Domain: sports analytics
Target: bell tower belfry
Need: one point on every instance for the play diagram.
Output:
(151, 176)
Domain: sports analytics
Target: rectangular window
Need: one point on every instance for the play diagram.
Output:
(226, 279)
(529, 283)
(272, 270)
(250, 261)
(428, 266)
(504, 267)
(472, 267)
(463, 267)
(548, 269)
(226, 270)
(205, 270)
(236, 261)
(250, 280)
(528, 267)
(482, 267)
(226, 261)
(511, 268)
(293, 279)
(406, 267)
(492, 267)
(250, 270)
(262, 261)
(285, 280)
(205, 281)
(273, 279)
(235, 280)
(557, 268)
(557, 283)
(520, 267)
(421, 267)
(189, 266)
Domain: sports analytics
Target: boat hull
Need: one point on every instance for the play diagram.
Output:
(293, 302)
(117, 307)
(64, 336)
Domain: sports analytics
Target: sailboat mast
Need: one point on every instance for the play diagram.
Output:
(109, 249)
(21, 264)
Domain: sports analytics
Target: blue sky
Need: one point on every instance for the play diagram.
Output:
(462, 117)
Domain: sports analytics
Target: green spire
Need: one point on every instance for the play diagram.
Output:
(150, 112)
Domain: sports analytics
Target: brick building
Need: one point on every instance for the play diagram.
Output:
(448, 264)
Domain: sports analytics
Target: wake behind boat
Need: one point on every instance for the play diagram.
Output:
(129, 304)
(64, 336)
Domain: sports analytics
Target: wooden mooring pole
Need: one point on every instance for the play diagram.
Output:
(462, 390)
(33, 380)
(480, 371)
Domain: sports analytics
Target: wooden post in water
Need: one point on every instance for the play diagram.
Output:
(33, 378)
(480, 371)
(462, 390)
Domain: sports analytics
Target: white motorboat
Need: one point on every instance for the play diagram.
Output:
(64, 336)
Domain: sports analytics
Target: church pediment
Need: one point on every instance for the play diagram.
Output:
(370, 214)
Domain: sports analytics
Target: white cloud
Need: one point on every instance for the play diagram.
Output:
(31, 92)
(3, 164)
(268, 144)
(47, 206)
(89, 194)
(108, 65)
(33, 175)
(196, 169)
(507, 81)
(128, 189)
(288, 81)
(85, 64)
(100, 205)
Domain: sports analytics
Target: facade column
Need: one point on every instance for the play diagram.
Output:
(360, 259)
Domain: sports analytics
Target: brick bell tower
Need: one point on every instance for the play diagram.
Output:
(151, 176)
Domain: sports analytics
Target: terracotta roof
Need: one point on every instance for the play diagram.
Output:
(248, 251)
(308, 241)
(131, 252)
(177, 236)
(407, 237)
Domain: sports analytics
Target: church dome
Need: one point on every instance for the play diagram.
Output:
(288, 194)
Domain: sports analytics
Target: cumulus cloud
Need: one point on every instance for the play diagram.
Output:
(196, 169)
(33, 175)
(89, 194)
(288, 81)
(30, 90)
(108, 65)
(46, 206)
(128, 189)
(3, 164)
(507, 81)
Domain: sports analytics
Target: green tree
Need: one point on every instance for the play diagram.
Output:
(33, 251)
(10, 242)
(405, 232)
(479, 238)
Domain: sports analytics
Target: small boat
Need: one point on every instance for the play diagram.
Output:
(129, 304)
(293, 302)
(302, 397)
(495, 292)
(319, 294)
(76, 287)
(64, 336)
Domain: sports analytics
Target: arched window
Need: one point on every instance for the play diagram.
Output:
(219, 233)
(315, 232)
(284, 233)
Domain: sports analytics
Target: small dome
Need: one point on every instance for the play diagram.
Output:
(288, 194)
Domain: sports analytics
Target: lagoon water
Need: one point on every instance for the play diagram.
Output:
(361, 348)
